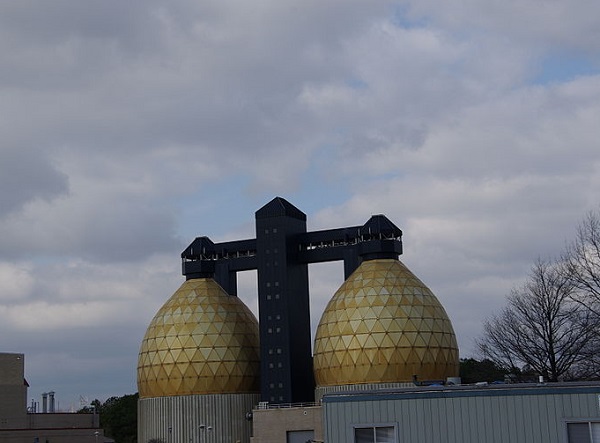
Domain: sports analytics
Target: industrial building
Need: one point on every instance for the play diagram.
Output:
(205, 362)
(515, 413)
(383, 368)
(20, 424)
(494, 413)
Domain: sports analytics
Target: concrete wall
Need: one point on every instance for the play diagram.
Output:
(515, 413)
(272, 425)
(62, 420)
(13, 391)
(53, 436)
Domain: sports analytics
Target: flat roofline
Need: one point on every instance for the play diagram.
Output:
(478, 390)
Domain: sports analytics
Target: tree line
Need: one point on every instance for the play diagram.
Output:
(549, 325)
(118, 417)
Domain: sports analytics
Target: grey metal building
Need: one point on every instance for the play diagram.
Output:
(515, 413)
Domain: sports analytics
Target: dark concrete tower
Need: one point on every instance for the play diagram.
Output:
(284, 313)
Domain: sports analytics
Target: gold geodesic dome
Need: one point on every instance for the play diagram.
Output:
(201, 341)
(383, 325)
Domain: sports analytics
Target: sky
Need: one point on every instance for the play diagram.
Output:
(129, 128)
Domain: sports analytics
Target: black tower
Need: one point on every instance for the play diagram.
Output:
(281, 253)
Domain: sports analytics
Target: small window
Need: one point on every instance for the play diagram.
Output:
(583, 432)
(300, 436)
(374, 434)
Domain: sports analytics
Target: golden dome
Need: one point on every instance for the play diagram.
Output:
(384, 325)
(201, 341)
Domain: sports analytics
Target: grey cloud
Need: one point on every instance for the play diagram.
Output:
(142, 109)
(119, 230)
(27, 175)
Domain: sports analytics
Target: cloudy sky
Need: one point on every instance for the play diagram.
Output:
(129, 128)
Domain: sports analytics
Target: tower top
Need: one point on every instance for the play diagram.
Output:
(279, 207)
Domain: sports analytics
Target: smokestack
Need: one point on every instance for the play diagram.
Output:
(44, 402)
(51, 395)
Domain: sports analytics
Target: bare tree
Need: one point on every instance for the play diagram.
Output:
(582, 262)
(542, 328)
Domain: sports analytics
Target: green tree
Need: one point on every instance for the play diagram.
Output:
(118, 418)
(473, 371)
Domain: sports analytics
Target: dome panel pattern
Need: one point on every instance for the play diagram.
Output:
(384, 325)
(201, 341)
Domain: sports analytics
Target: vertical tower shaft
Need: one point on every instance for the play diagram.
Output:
(284, 313)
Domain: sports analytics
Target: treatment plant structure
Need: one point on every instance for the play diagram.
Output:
(206, 362)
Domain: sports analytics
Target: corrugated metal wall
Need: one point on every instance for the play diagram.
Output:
(198, 418)
(514, 418)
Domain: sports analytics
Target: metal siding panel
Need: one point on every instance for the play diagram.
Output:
(473, 419)
(528, 418)
(438, 420)
(454, 428)
(495, 417)
(337, 422)
(428, 419)
(413, 423)
(419, 431)
(390, 412)
(519, 418)
(515, 415)
(498, 417)
(367, 411)
(576, 407)
(486, 429)
(344, 419)
(555, 412)
(592, 404)
(342, 428)
(544, 419)
(479, 430)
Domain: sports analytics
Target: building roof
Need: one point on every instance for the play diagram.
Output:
(472, 390)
